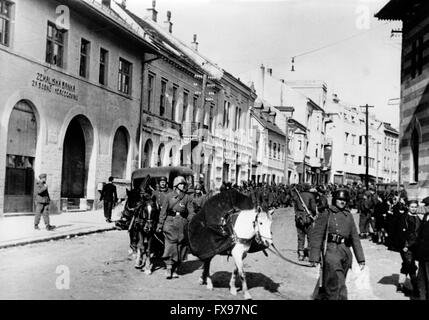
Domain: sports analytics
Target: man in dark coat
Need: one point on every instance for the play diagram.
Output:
(199, 199)
(109, 197)
(303, 219)
(176, 210)
(42, 203)
(337, 226)
(162, 191)
(403, 241)
(421, 251)
(367, 212)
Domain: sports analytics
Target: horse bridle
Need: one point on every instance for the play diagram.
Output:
(258, 236)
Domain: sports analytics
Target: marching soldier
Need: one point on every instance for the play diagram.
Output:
(176, 210)
(337, 227)
(367, 213)
(198, 198)
(304, 219)
(162, 191)
(42, 203)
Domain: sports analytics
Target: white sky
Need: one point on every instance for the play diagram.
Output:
(240, 35)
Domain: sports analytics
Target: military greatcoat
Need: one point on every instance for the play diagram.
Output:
(338, 257)
(176, 210)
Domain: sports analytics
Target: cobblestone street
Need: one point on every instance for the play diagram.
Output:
(100, 269)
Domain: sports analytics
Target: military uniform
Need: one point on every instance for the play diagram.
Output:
(342, 233)
(42, 203)
(302, 220)
(176, 210)
(198, 201)
(366, 217)
(160, 195)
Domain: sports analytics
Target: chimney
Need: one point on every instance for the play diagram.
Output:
(106, 3)
(124, 3)
(195, 43)
(262, 80)
(153, 11)
(168, 23)
(270, 71)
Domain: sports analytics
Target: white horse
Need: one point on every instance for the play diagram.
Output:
(250, 225)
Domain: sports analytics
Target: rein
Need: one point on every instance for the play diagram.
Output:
(277, 253)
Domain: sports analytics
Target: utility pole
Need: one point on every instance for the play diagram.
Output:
(366, 144)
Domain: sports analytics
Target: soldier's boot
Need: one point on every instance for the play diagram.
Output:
(139, 259)
(301, 255)
(168, 272)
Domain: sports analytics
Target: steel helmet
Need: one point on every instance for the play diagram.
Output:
(341, 194)
(178, 180)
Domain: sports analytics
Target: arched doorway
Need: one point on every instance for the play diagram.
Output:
(161, 151)
(77, 150)
(147, 152)
(120, 153)
(20, 157)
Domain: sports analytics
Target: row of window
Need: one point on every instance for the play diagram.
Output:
(361, 160)
(174, 89)
(55, 43)
(276, 151)
(5, 17)
(55, 51)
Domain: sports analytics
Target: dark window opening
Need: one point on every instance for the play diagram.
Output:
(55, 45)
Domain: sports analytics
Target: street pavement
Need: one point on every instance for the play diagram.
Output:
(19, 230)
(98, 266)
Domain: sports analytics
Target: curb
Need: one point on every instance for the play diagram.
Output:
(55, 237)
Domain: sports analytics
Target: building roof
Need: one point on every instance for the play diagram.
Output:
(388, 127)
(103, 15)
(165, 40)
(270, 126)
(397, 9)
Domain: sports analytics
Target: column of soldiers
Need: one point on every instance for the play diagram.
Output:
(326, 231)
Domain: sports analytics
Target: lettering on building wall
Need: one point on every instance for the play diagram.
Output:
(55, 86)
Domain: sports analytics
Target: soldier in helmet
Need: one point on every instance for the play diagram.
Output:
(162, 191)
(303, 200)
(198, 198)
(337, 227)
(176, 210)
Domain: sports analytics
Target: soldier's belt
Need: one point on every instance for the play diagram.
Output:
(174, 213)
(336, 238)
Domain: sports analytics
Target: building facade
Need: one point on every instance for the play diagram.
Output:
(268, 161)
(414, 125)
(70, 101)
(346, 135)
(195, 113)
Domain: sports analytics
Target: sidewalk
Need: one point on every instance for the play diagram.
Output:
(19, 230)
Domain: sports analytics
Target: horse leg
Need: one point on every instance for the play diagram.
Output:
(148, 267)
(206, 274)
(238, 253)
(232, 287)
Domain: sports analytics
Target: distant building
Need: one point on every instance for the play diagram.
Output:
(346, 136)
(414, 124)
(270, 141)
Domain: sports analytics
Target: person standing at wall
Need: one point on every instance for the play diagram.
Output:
(110, 197)
(42, 203)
